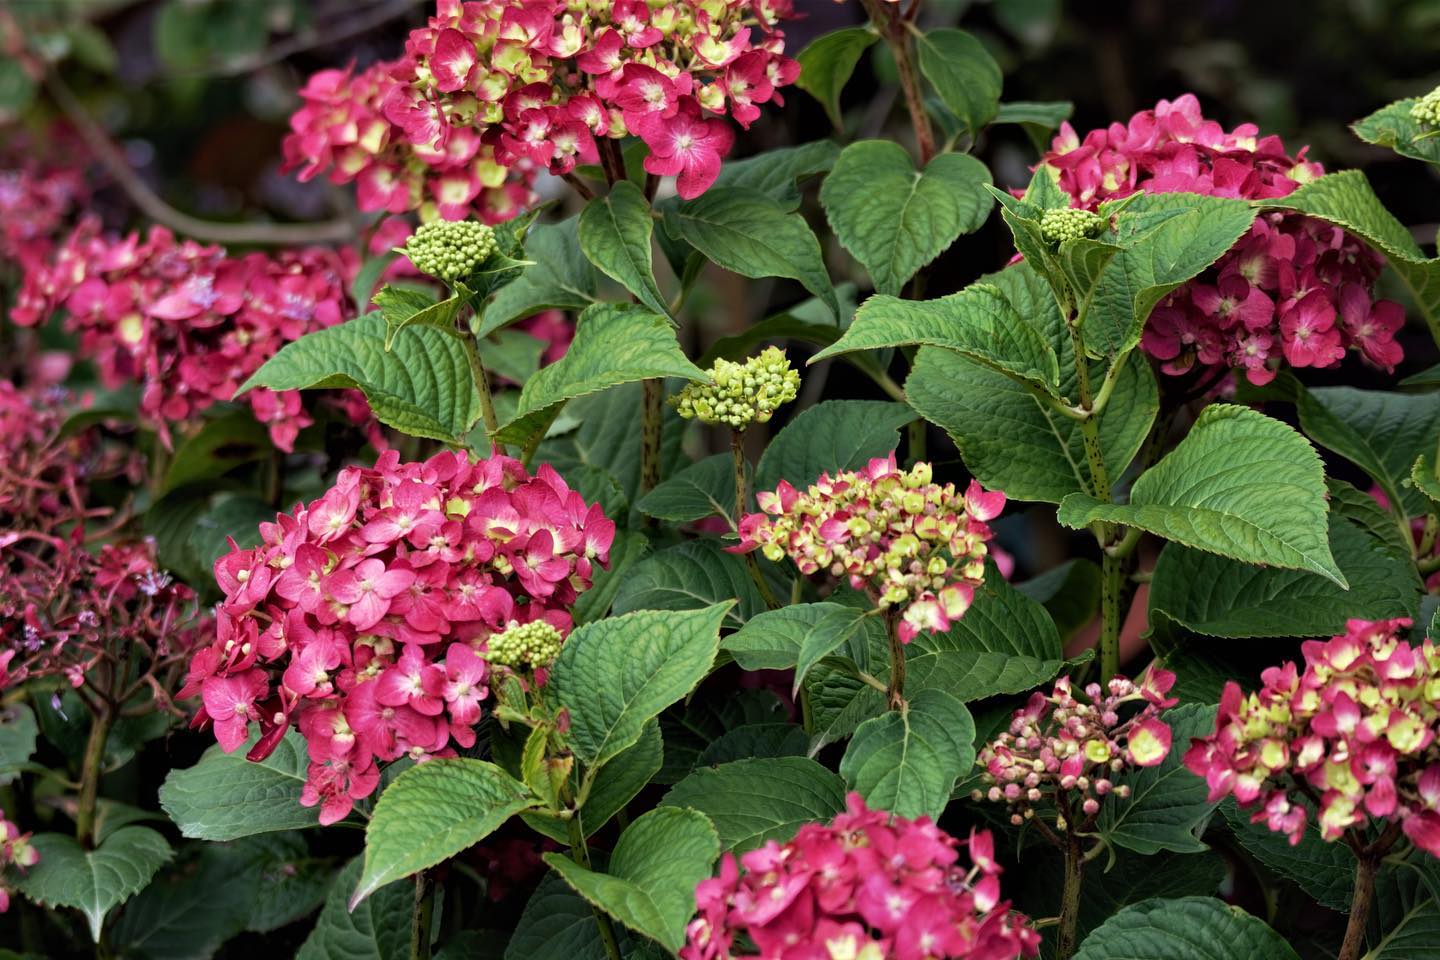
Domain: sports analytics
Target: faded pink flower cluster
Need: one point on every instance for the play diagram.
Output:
(38, 201)
(15, 851)
(1066, 751)
(1355, 732)
(913, 545)
(492, 89)
(189, 323)
(866, 886)
(1293, 288)
(363, 618)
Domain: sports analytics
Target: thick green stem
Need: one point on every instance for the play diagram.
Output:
(887, 20)
(1065, 935)
(1112, 613)
(581, 854)
(91, 769)
(652, 412)
(895, 687)
(916, 434)
(482, 384)
(422, 916)
(1353, 945)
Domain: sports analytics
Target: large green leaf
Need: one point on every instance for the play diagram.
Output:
(1191, 928)
(1409, 913)
(832, 435)
(556, 924)
(225, 796)
(628, 549)
(614, 233)
(755, 237)
(561, 278)
(219, 446)
(688, 576)
(773, 640)
(1346, 200)
(1069, 592)
(701, 490)
(776, 173)
(895, 219)
(979, 323)
(1005, 643)
(907, 760)
(1326, 871)
(755, 800)
(614, 343)
(614, 675)
(963, 73)
(692, 728)
(837, 627)
(614, 786)
(827, 63)
(650, 882)
(1166, 239)
(378, 929)
(1219, 597)
(18, 733)
(421, 386)
(92, 881)
(1392, 126)
(1240, 484)
(1168, 804)
(432, 812)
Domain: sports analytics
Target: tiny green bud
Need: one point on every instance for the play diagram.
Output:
(1070, 223)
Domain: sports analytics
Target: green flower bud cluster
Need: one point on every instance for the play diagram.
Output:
(449, 250)
(1427, 110)
(1070, 223)
(533, 644)
(741, 393)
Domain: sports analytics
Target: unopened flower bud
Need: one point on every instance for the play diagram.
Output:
(1426, 110)
(740, 394)
(450, 250)
(1070, 223)
(533, 644)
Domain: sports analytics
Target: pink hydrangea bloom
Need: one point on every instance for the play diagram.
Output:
(15, 851)
(363, 619)
(1293, 289)
(489, 92)
(1065, 752)
(187, 322)
(913, 545)
(1355, 730)
(40, 195)
(868, 886)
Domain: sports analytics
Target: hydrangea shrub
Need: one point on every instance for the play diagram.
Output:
(625, 533)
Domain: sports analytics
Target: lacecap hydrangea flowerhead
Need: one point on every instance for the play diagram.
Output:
(1294, 288)
(866, 886)
(1064, 753)
(449, 250)
(740, 394)
(915, 546)
(1355, 729)
(366, 618)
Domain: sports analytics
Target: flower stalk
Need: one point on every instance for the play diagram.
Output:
(92, 768)
(422, 916)
(580, 852)
(652, 409)
(889, 23)
(1066, 935)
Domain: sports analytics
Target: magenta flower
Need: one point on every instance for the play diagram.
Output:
(230, 703)
(686, 146)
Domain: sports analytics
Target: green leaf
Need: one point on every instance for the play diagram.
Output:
(561, 278)
(895, 219)
(1425, 477)
(18, 733)
(220, 445)
(614, 675)
(1325, 871)
(1168, 804)
(1070, 593)
(753, 740)
(1223, 598)
(513, 354)
(421, 386)
(1391, 126)
(557, 924)
(692, 728)
(752, 801)
(1005, 643)
(92, 881)
(614, 343)
(907, 760)
(378, 929)
(832, 435)
(773, 640)
(1346, 200)
(701, 490)
(225, 796)
(1191, 928)
(626, 552)
(979, 323)
(689, 576)
(402, 307)
(755, 237)
(614, 234)
(1167, 238)
(1409, 914)
(651, 878)
(190, 525)
(776, 173)
(963, 73)
(1045, 116)
(829, 632)
(615, 785)
(826, 64)
(432, 812)
(1240, 484)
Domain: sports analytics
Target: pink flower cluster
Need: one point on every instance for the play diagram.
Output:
(916, 546)
(38, 201)
(1355, 732)
(363, 618)
(188, 322)
(492, 89)
(1066, 751)
(15, 850)
(866, 886)
(1293, 288)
